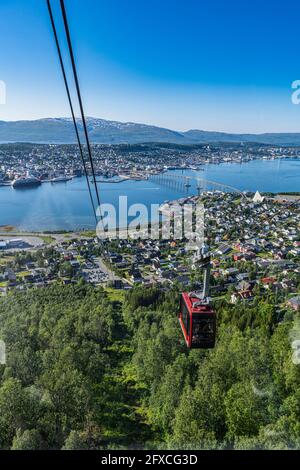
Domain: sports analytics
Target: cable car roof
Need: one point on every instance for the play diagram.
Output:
(190, 301)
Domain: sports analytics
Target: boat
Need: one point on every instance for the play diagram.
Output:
(25, 181)
(5, 183)
(61, 179)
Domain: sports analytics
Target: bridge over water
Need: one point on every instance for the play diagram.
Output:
(183, 183)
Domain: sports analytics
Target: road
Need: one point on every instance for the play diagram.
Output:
(111, 275)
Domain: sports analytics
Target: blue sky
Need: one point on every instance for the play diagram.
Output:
(223, 65)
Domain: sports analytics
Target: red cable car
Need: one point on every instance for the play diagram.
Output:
(197, 321)
(197, 318)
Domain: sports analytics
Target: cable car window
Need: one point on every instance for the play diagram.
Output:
(185, 316)
(203, 330)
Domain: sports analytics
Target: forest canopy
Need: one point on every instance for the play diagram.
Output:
(87, 372)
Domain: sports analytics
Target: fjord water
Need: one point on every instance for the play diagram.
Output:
(66, 206)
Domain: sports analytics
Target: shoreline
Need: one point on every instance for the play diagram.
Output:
(8, 231)
(120, 178)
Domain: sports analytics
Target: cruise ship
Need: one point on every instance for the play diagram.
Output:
(25, 181)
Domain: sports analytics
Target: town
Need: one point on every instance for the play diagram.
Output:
(254, 241)
(135, 161)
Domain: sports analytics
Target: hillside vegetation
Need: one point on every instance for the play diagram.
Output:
(89, 371)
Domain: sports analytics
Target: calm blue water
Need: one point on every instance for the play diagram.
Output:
(66, 206)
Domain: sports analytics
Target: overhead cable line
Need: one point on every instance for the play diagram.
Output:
(67, 31)
(71, 105)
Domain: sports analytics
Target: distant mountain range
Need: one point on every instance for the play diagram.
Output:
(60, 130)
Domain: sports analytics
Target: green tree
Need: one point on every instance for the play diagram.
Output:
(189, 430)
(30, 439)
(245, 411)
(75, 441)
(15, 410)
